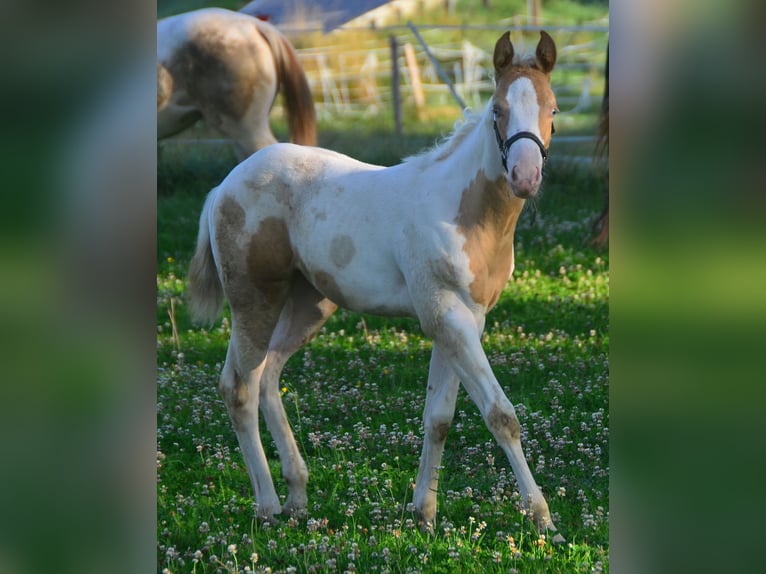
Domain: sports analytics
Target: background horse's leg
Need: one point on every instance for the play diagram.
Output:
(304, 313)
(251, 131)
(457, 330)
(437, 417)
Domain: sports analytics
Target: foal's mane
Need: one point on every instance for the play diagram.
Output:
(443, 148)
(464, 126)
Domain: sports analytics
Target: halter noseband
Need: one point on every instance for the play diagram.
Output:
(505, 146)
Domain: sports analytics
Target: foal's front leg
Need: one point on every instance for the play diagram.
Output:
(437, 417)
(456, 329)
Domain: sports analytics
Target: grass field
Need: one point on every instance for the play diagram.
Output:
(355, 397)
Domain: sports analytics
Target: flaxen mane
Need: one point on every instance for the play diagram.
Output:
(442, 149)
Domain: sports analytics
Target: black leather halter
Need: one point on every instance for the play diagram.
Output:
(505, 146)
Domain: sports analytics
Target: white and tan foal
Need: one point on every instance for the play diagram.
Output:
(294, 231)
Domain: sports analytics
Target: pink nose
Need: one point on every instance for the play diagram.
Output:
(525, 181)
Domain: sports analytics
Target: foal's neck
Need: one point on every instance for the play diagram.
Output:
(478, 152)
(486, 196)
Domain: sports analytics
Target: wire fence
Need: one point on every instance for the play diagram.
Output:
(352, 75)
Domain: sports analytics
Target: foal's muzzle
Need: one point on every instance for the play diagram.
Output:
(505, 145)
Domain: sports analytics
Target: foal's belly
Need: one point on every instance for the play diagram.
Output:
(359, 289)
(354, 276)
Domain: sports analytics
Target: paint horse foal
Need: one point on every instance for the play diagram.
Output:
(293, 232)
(227, 67)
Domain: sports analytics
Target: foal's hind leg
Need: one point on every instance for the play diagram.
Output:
(253, 322)
(304, 313)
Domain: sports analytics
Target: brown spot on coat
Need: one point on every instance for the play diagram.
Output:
(234, 391)
(342, 250)
(502, 423)
(270, 259)
(255, 272)
(440, 431)
(229, 225)
(487, 219)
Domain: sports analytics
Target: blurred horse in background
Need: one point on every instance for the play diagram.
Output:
(227, 68)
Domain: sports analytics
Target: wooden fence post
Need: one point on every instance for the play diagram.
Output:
(395, 91)
(414, 71)
(439, 70)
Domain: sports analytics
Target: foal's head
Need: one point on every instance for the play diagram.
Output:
(524, 106)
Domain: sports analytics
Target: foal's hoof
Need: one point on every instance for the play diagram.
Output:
(295, 506)
(427, 527)
(558, 539)
(268, 521)
(296, 512)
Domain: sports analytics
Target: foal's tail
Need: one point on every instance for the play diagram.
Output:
(205, 289)
(299, 103)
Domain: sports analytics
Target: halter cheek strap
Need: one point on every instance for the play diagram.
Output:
(505, 146)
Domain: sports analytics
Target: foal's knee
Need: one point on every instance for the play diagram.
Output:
(503, 423)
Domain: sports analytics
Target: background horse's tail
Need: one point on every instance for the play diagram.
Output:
(205, 289)
(299, 103)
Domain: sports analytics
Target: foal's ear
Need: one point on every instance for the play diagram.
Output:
(546, 53)
(503, 53)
